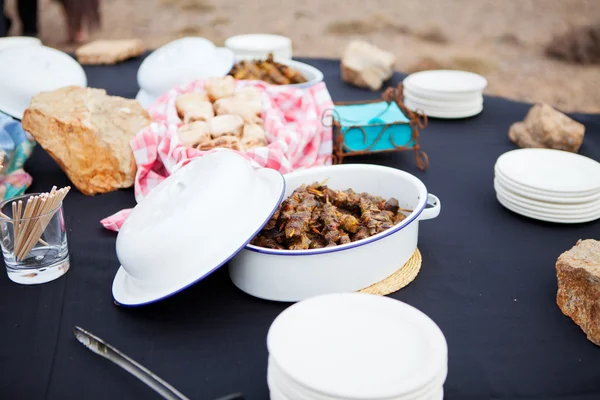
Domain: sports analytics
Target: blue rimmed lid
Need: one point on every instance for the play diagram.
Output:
(191, 224)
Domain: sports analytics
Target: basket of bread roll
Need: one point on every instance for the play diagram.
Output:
(271, 126)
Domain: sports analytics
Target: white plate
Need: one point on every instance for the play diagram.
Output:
(544, 217)
(260, 45)
(545, 206)
(447, 106)
(357, 346)
(527, 189)
(544, 197)
(445, 81)
(444, 115)
(29, 70)
(551, 170)
(443, 97)
(550, 212)
(190, 225)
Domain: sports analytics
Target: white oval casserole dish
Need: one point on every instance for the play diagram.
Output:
(294, 275)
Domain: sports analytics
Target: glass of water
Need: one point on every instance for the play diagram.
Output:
(35, 248)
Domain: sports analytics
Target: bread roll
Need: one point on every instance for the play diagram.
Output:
(191, 107)
(249, 111)
(226, 125)
(227, 142)
(219, 87)
(193, 134)
(253, 136)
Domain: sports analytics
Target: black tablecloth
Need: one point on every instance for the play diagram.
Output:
(488, 280)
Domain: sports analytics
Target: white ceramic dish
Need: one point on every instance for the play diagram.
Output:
(182, 61)
(445, 82)
(543, 216)
(18, 41)
(286, 275)
(549, 212)
(145, 99)
(545, 206)
(567, 195)
(535, 195)
(466, 113)
(310, 73)
(356, 346)
(551, 170)
(29, 70)
(444, 97)
(179, 233)
(260, 45)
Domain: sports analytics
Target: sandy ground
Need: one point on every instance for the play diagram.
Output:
(502, 39)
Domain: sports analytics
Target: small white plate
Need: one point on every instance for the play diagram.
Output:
(550, 212)
(191, 224)
(542, 216)
(445, 82)
(444, 114)
(443, 97)
(551, 170)
(445, 106)
(527, 189)
(315, 341)
(544, 197)
(542, 206)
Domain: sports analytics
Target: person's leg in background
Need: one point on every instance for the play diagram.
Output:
(4, 21)
(28, 12)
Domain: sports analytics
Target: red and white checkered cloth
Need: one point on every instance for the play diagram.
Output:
(293, 124)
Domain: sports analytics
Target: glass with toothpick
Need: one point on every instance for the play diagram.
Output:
(34, 238)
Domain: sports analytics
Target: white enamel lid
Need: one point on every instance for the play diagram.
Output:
(182, 61)
(552, 171)
(29, 70)
(191, 224)
(358, 346)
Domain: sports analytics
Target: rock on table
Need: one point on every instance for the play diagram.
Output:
(578, 273)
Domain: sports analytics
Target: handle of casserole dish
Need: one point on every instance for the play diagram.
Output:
(434, 210)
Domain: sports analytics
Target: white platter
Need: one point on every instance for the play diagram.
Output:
(358, 346)
(551, 170)
(544, 217)
(192, 231)
(445, 82)
(540, 196)
(545, 206)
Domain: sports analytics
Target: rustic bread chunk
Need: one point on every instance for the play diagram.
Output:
(191, 108)
(109, 51)
(88, 132)
(191, 135)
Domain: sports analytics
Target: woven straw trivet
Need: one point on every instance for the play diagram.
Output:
(398, 279)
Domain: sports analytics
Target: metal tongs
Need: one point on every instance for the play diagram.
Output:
(161, 387)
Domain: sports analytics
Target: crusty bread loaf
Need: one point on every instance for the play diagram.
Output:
(88, 132)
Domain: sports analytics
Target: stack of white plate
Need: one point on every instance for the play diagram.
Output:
(549, 185)
(445, 93)
(355, 346)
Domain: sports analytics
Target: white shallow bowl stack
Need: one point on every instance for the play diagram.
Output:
(445, 94)
(355, 346)
(549, 185)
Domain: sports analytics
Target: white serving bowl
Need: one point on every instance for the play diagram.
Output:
(29, 70)
(310, 73)
(294, 275)
(260, 45)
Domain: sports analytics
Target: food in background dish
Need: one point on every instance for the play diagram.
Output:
(268, 71)
(237, 125)
(190, 109)
(219, 87)
(226, 125)
(194, 134)
(316, 216)
(88, 133)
